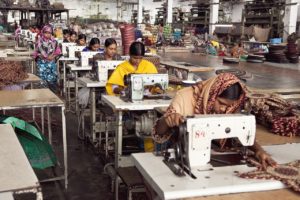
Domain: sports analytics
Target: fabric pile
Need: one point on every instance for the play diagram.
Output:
(276, 54)
(270, 110)
(286, 173)
(11, 72)
(128, 36)
(292, 52)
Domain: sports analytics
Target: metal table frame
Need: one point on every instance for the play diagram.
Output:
(38, 98)
(17, 175)
(119, 106)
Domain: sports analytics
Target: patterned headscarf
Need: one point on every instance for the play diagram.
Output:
(45, 46)
(206, 93)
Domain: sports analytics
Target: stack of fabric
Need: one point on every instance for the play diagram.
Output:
(11, 72)
(277, 114)
(292, 52)
(128, 36)
(277, 54)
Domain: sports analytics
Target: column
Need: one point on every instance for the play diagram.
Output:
(140, 12)
(290, 18)
(213, 15)
(170, 11)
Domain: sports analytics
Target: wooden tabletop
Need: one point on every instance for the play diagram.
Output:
(181, 65)
(32, 78)
(16, 172)
(28, 98)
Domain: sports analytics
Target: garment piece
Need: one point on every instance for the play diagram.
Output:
(88, 49)
(47, 71)
(289, 174)
(117, 77)
(200, 99)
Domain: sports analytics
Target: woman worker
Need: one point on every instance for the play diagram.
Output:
(223, 94)
(135, 64)
(94, 45)
(81, 40)
(47, 50)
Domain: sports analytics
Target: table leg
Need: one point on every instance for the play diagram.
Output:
(64, 132)
(49, 125)
(76, 92)
(64, 79)
(119, 136)
(93, 114)
(42, 120)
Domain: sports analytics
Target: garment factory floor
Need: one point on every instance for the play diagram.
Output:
(86, 178)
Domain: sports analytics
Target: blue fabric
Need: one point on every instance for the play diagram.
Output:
(87, 49)
(47, 71)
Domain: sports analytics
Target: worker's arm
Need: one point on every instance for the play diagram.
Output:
(264, 158)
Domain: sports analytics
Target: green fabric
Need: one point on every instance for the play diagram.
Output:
(36, 147)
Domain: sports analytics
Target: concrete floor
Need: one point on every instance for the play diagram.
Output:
(86, 178)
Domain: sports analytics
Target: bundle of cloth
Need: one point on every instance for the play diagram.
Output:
(11, 72)
(277, 114)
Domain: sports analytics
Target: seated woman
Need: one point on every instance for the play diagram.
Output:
(94, 45)
(223, 94)
(110, 53)
(135, 64)
(73, 37)
(81, 40)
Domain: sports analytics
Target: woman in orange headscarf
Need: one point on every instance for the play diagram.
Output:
(223, 94)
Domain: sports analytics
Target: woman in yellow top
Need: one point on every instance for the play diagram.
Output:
(136, 64)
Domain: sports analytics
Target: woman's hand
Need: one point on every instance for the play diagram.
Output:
(265, 159)
(174, 119)
(51, 57)
(118, 90)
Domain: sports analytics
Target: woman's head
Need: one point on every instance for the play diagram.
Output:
(110, 47)
(47, 31)
(136, 52)
(73, 36)
(94, 44)
(228, 98)
(221, 94)
(81, 40)
(66, 34)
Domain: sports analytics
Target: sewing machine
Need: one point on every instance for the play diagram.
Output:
(193, 148)
(85, 56)
(65, 47)
(73, 50)
(102, 68)
(136, 84)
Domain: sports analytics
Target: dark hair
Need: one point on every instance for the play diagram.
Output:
(137, 49)
(233, 92)
(82, 36)
(93, 42)
(66, 31)
(73, 33)
(109, 41)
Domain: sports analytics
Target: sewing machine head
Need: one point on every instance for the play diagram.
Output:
(193, 147)
(103, 67)
(65, 46)
(137, 84)
(85, 56)
(73, 49)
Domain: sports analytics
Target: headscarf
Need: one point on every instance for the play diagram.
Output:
(46, 46)
(206, 93)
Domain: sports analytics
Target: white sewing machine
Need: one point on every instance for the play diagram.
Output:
(189, 160)
(65, 47)
(136, 84)
(193, 149)
(103, 67)
(73, 50)
(85, 56)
